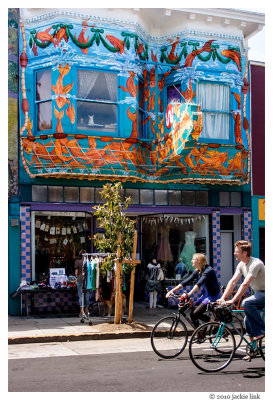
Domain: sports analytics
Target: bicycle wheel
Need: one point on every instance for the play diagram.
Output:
(262, 348)
(212, 347)
(169, 337)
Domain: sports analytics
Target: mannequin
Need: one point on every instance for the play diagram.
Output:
(188, 249)
(153, 285)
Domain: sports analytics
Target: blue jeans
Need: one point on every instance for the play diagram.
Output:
(86, 295)
(253, 305)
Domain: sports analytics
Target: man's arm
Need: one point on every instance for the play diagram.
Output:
(242, 289)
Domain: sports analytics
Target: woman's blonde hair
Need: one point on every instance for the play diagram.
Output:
(201, 258)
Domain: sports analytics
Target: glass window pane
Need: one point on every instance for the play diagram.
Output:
(87, 195)
(202, 198)
(134, 194)
(43, 85)
(174, 197)
(235, 199)
(97, 85)
(55, 193)
(39, 193)
(98, 198)
(45, 116)
(173, 93)
(224, 199)
(161, 197)
(188, 198)
(96, 116)
(146, 196)
(71, 194)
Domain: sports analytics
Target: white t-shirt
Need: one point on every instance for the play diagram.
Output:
(255, 268)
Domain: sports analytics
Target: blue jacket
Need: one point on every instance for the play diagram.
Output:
(207, 278)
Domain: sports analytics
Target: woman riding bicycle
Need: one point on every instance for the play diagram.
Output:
(206, 278)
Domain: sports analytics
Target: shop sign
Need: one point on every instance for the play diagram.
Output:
(169, 116)
(261, 205)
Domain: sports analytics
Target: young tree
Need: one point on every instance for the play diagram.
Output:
(115, 223)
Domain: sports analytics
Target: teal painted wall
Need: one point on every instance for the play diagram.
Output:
(256, 224)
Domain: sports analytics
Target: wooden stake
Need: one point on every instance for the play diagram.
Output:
(118, 298)
(132, 283)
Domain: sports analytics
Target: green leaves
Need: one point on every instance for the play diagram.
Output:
(114, 222)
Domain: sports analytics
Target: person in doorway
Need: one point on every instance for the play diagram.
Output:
(79, 273)
(253, 271)
(206, 278)
(153, 285)
(180, 268)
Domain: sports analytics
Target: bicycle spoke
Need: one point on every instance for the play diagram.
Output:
(169, 337)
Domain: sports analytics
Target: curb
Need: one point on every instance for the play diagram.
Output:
(80, 337)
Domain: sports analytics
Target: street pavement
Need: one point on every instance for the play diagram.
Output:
(122, 365)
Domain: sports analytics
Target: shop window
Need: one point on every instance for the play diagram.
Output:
(173, 94)
(87, 195)
(71, 194)
(134, 194)
(262, 244)
(174, 197)
(215, 105)
(98, 198)
(161, 197)
(55, 194)
(224, 199)
(59, 236)
(202, 198)
(188, 198)
(97, 101)
(235, 199)
(43, 100)
(39, 193)
(146, 196)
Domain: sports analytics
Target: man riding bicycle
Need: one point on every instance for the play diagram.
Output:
(253, 271)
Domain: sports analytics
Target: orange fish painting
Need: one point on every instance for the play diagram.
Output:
(131, 87)
(59, 89)
(234, 56)
(70, 112)
(117, 43)
(237, 127)
(61, 34)
(46, 37)
(173, 56)
(194, 53)
(189, 94)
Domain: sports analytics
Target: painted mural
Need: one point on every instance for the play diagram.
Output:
(151, 140)
(12, 102)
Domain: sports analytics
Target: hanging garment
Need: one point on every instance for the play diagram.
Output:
(188, 249)
(88, 275)
(164, 251)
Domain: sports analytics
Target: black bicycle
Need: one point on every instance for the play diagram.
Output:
(169, 336)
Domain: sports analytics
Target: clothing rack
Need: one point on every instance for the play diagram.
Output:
(96, 254)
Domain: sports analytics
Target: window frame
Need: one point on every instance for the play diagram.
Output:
(215, 112)
(96, 132)
(37, 102)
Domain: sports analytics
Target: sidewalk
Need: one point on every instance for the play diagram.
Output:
(37, 329)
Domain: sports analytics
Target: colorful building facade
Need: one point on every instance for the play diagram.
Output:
(104, 98)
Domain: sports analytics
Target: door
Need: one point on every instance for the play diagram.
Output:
(226, 257)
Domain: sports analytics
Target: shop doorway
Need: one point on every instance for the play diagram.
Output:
(226, 257)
